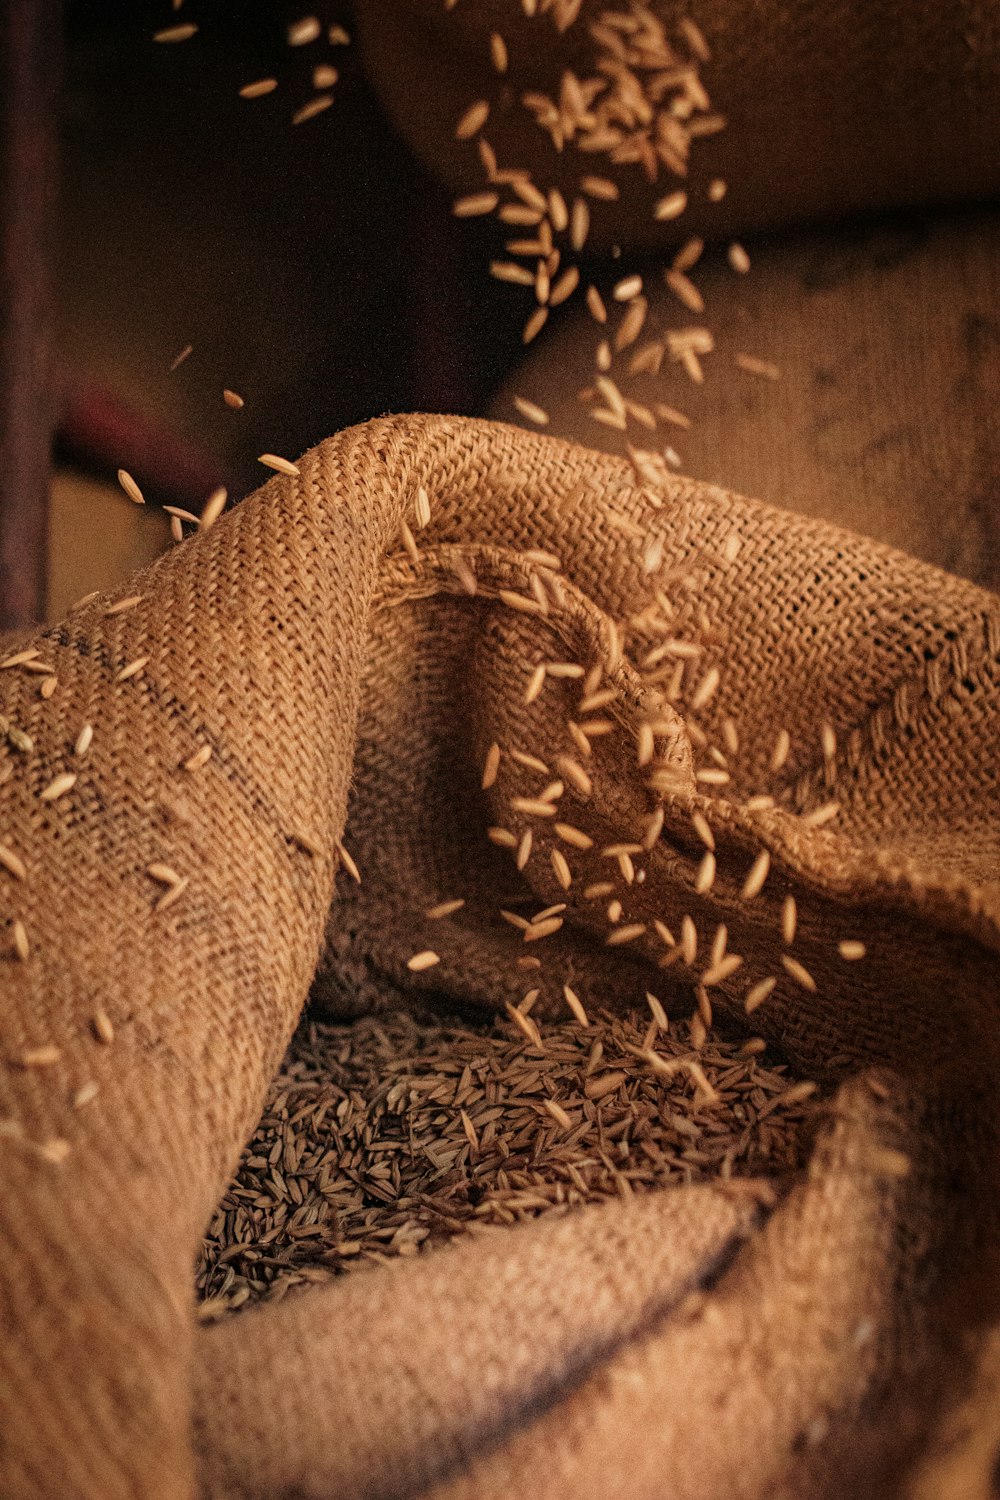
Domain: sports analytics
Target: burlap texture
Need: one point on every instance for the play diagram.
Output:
(832, 108)
(835, 1344)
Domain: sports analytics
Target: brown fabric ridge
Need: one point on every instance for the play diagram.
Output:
(169, 912)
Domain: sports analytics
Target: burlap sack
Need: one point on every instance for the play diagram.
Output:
(834, 1346)
(831, 109)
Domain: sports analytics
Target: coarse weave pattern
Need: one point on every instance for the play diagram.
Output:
(324, 664)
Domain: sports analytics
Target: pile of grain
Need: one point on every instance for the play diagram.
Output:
(394, 1133)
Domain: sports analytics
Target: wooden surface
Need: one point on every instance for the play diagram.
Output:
(30, 66)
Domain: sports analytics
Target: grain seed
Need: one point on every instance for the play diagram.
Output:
(59, 786)
(130, 487)
(281, 465)
(420, 961)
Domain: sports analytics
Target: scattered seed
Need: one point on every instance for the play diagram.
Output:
(472, 121)
(59, 786)
(130, 487)
(312, 109)
(213, 508)
(300, 33)
(348, 863)
(420, 961)
(474, 204)
(282, 465)
(754, 883)
(259, 88)
(41, 1057)
(576, 1005)
(789, 919)
(533, 413)
(132, 669)
(123, 605)
(800, 974)
(444, 909)
(175, 33)
(850, 949)
(103, 1028)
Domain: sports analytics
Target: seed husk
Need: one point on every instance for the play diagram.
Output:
(279, 464)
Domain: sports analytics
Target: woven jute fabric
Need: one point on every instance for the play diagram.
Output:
(832, 108)
(689, 1344)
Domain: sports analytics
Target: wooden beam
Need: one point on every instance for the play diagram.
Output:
(30, 74)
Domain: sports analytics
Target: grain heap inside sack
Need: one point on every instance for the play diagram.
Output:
(392, 1135)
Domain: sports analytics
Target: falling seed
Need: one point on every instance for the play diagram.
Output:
(758, 993)
(198, 759)
(491, 766)
(123, 605)
(502, 838)
(755, 366)
(561, 868)
(705, 689)
(19, 658)
(800, 974)
(738, 258)
(41, 1057)
(324, 76)
(175, 33)
(282, 465)
(59, 786)
(132, 670)
(689, 940)
(233, 400)
(533, 413)
(719, 972)
(600, 187)
(130, 487)
(13, 863)
(103, 1028)
(422, 507)
(626, 934)
(472, 121)
(348, 863)
(782, 745)
(180, 358)
(702, 828)
(213, 508)
(338, 37)
(658, 1013)
(534, 325)
(820, 816)
(712, 776)
(177, 513)
(628, 288)
(717, 190)
(420, 961)
(537, 930)
(579, 224)
(576, 1005)
(259, 88)
(498, 52)
(300, 33)
(754, 883)
(573, 836)
(85, 1094)
(474, 204)
(850, 948)
(20, 938)
(706, 873)
(789, 919)
(533, 807)
(524, 1024)
(444, 909)
(535, 684)
(409, 542)
(312, 109)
